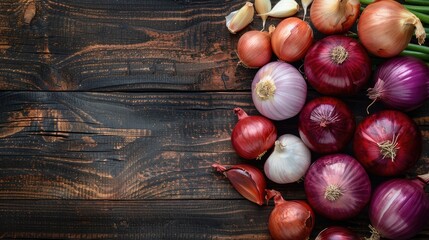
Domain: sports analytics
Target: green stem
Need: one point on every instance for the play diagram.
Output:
(423, 17)
(418, 2)
(420, 9)
(366, 2)
(419, 55)
(418, 48)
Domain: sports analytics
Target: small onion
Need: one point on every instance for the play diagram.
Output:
(401, 83)
(254, 49)
(337, 186)
(279, 90)
(385, 28)
(289, 220)
(331, 17)
(248, 180)
(387, 143)
(399, 208)
(252, 136)
(326, 125)
(337, 233)
(289, 160)
(337, 65)
(291, 39)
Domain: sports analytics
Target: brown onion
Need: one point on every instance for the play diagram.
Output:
(385, 28)
(292, 220)
(291, 39)
(254, 49)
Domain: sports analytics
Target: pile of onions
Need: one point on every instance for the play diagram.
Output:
(337, 186)
(326, 125)
(337, 65)
(291, 39)
(279, 90)
(248, 180)
(337, 233)
(387, 143)
(399, 208)
(331, 17)
(252, 136)
(254, 49)
(385, 28)
(401, 83)
(290, 220)
(289, 160)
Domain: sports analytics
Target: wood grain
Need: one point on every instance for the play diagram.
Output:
(193, 219)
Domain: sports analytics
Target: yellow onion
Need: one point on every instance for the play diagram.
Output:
(385, 28)
(334, 16)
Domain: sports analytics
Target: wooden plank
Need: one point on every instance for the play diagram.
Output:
(144, 45)
(193, 219)
(79, 145)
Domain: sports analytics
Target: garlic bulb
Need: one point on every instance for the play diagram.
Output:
(289, 161)
(305, 4)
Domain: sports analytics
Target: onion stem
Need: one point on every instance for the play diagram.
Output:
(419, 55)
(418, 48)
(423, 17)
(418, 2)
(420, 9)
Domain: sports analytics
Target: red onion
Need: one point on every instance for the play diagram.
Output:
(337, 233)
(252, 136)
(279, 91)
(401, 83)
(337, 186)
(399, 208)
(254, 49)
(326, 125)
(387, 143)
(337, 65)
(290, 220)
(248, 180)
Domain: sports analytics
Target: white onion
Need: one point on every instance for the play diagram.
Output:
(289, 161)
(279, 91)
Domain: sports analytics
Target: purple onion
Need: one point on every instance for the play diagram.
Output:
(337, 233)
(399, 208)
(337, 186)
(401, 83)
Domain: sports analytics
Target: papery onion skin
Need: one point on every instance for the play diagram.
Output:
(338, 66)
(387, 143)
(289, 160)
(337, 233)
(399, 208)
(247, 179)
(252, 136)
(279, 91)
(330, 17)
(326, 125)
(386, 27)
(290, 220)
(291, 39)
(337, 186)
(401, 83)
(254, 49)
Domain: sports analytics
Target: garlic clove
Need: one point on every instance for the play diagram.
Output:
(248, 180)
(237, 20)
(305, 4)
(263, 6)
(284, 8)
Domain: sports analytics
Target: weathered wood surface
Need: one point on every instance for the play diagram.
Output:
(112, 112)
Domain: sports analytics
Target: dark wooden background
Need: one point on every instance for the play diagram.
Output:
(112, 112)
